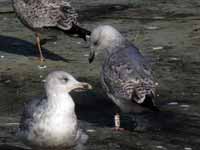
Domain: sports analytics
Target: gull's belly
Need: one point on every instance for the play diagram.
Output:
(54, 130)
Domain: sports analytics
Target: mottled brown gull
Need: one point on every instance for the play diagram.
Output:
(126, 75)
(40, 14)
(51, 122)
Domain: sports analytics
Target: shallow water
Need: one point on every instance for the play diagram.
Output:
(167, 32)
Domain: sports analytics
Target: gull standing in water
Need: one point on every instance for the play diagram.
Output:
(51, 122)
(40, 14)
(126, 75)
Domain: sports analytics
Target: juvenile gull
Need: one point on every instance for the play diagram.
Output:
(51, 122)
(40, 14)
(126, 75)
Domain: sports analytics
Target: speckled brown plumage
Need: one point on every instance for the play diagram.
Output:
(37, 14)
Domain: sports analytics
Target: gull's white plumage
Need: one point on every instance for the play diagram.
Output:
(51, 121)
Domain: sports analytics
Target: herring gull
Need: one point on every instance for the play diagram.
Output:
(126, 75)
(40, 14)
(51, 122)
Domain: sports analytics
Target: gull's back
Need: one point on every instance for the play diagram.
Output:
(127, 77)
(36, 14)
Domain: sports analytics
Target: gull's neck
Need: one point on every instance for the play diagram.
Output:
(60, 99)
(115, 45)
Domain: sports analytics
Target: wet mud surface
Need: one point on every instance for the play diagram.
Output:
(167, 33)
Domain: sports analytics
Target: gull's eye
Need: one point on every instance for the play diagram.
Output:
(66, 79)
(96, 43)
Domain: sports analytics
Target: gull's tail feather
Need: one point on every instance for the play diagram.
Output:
(81, 32)
(148, 102)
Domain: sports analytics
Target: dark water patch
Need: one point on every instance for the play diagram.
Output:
(93, 13)
(178, 15)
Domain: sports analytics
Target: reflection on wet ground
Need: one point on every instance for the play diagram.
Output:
(167, 32)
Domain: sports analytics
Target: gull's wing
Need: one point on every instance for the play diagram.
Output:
(127, 76)
(46, 13)
(29, 109)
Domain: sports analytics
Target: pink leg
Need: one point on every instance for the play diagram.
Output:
(117, 123)
(39, 47)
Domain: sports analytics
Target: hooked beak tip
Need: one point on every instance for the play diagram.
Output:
(90, 61)
(82, 86)
(86, 86)
(91, 57)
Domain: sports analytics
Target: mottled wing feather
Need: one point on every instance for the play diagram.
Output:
(36, 14)
(28, 113)
(127, 75)
(69, 17)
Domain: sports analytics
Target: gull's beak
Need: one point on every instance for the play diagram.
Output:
(81, 86)
(92, 55)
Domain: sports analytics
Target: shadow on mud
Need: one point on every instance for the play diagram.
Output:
(100, 111)
(20, 47)
(11, 147)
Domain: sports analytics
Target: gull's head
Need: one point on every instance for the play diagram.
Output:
(104, 37)
(60, 81)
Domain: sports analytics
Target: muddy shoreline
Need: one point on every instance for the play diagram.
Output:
(167, 33)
